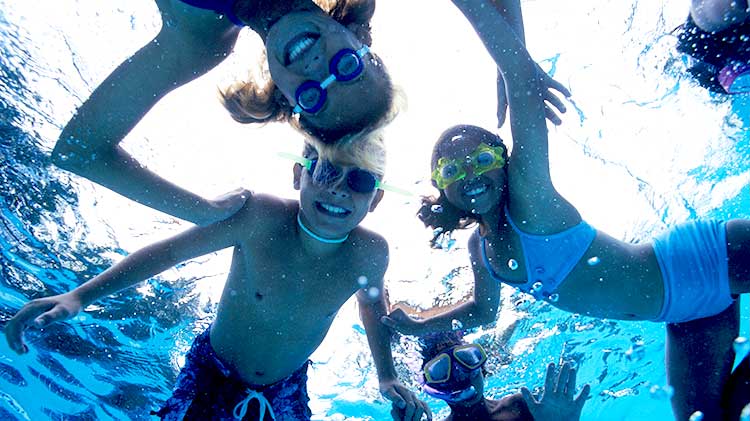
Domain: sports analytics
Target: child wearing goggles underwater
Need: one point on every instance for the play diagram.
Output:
(453, 372)
(531, 238)
(324, 81)
(295, 263)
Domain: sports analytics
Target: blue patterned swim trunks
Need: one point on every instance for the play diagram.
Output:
(207, 389)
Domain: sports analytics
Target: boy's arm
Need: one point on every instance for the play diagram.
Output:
(136, 267)
(190, 43)
(480, 310)
(371, 310)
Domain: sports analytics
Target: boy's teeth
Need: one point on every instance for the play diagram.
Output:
(300, 47)
(332, 209)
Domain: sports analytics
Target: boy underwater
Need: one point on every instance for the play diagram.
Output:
(295, 263)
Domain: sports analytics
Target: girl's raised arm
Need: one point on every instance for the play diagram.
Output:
(532, 197)
(190, 43)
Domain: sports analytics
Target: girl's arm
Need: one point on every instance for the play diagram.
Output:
(190, 43)
(141, 265)
(480, 310)
(533, 198)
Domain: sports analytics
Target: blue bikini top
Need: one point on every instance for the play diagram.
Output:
(549, 258)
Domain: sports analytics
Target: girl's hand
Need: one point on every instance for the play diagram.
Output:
(551, 101)
(224, 206)
(400, 321)
(557, 401)
(40, 313)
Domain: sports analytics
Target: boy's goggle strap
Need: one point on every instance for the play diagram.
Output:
(484, 158)
(438, 370)
(359, 180)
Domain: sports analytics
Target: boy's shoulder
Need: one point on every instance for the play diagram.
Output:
(265, 213)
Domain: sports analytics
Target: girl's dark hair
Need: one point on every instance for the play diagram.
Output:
(252, 102)
(713, 50)
(437, 212)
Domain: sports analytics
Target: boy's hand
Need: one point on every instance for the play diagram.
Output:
(40, 313)
(557, 401)
(400, 321)
(550, 99)
(405, 404)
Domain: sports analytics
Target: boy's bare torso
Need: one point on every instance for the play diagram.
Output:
(280, 300)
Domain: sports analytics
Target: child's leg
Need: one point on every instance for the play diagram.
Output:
(738, 255)
(699, 359)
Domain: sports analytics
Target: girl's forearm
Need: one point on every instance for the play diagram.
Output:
(502, 43)
(467, 315)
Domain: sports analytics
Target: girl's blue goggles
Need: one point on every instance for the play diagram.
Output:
(345, 65)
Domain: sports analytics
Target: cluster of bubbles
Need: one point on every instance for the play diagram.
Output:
(661, 392)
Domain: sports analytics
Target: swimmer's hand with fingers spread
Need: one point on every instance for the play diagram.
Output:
(553, 105)
(557, 401)
(224, 206)
(40, 313)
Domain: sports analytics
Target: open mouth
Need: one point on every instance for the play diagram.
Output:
(475, 188)
(298, 46)
(332, 210)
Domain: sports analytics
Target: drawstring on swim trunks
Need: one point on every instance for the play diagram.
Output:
(241, 409)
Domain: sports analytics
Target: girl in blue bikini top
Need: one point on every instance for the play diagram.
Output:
(325, 82)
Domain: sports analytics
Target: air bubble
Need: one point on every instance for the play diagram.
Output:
(373, 292)
(741, 345)
(593, 261)
(456, 324)
(697, 416)
(362, 280)
(513, 264)
(537, 286)
(436, 209)
(745, 414)
(554, 298)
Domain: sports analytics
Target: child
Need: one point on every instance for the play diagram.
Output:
(532, 238)
(717, 36)
(326, 83)
(453, 370)
(294, 265)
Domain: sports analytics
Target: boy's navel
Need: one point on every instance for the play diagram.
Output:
(258, 296)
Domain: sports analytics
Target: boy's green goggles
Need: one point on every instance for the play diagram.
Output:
(484, 158)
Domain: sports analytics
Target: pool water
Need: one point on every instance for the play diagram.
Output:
(641, 148)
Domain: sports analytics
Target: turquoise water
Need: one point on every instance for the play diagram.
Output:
(643, 148)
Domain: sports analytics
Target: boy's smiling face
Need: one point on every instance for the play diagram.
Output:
(328, 205)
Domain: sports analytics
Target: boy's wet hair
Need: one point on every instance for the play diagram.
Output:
(434, 343)
(252, 102)
(367, 152)
(437, 212)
